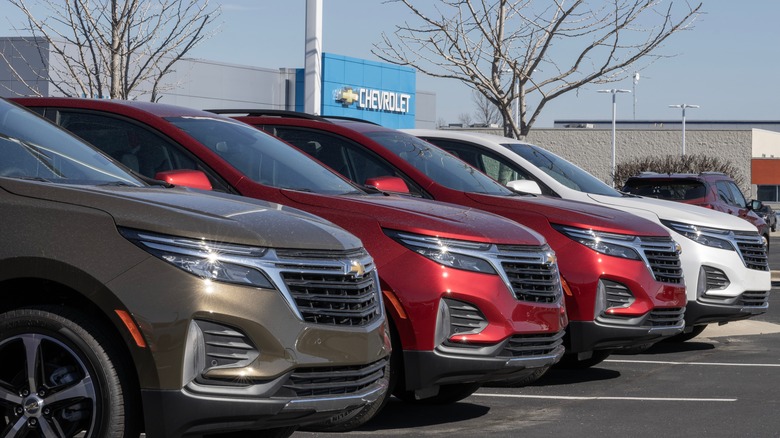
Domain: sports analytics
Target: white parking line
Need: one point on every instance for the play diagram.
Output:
(663, 362)
(569, 397)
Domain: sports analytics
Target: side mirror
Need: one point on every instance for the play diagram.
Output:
(392, 184)
(194, 179)
(525, 186)
(755, 205)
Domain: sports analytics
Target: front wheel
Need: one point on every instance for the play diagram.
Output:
(61, 377)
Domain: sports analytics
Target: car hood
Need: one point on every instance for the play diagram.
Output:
(573, 213)
(197, 214)
(427, 217)
(675, 211)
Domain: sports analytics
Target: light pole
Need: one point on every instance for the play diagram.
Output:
(614, 92)
(683, 106)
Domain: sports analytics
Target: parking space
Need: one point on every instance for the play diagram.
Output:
(721, 384)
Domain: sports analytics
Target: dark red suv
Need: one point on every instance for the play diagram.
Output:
(471, 296)
(621, 274)
(714, 190)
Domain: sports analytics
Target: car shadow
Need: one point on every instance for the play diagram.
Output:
(669, 347)
(399, 415)
(568, 376)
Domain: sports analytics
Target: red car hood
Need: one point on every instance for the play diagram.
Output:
(427, 217)
(573, 213)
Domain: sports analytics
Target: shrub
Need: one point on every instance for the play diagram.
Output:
(675, 164)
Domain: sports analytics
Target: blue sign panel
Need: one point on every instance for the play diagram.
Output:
(377, 92)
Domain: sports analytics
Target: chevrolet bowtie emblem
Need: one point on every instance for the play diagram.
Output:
(346, 96)
(356, 268)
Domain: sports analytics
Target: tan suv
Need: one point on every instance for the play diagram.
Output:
(127, 307)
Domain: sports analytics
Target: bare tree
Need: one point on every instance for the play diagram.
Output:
(485, 112)
(128, 46)
(516, 49)
(464, 119)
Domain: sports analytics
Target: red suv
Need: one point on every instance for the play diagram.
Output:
(714, 190)
(471, 296)
(621, 274)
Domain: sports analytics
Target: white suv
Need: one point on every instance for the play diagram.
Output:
(724, 259)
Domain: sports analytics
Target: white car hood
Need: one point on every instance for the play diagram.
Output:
(676, 211)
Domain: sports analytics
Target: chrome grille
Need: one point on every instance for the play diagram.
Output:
(663, 259)
(533, 276)
(752, 250)
(665, 317)
(331, 287)
(334, 299)
(532, 345)
(754, 298)
(309, 382)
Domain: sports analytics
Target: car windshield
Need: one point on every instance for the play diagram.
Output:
(682, 190)
(439, 165)
(262, 157)
(561, 170)
(33, 148)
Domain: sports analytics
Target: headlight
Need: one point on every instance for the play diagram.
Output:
(445, 251)
(617, 245)
(207, 260)
(706, 236)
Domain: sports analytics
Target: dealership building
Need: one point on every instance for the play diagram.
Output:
(387, 94)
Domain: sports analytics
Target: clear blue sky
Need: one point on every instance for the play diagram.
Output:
(728, 64)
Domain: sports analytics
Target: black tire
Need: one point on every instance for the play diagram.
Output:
(570, 361)
(682, 337)
(448, 394)
(77, 371)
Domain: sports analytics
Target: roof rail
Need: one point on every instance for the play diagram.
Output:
(352, 119)
(255, 112)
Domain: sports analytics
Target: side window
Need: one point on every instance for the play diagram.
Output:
(724, 193)
(340, 154)
(135, 146)
(737, 195)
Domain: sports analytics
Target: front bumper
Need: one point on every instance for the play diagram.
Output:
(429, 369)
(595, 335)
(188, 413)
(731, 309)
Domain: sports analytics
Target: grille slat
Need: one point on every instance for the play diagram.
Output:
(532, 345)
(667, 316)
(662, 257)
(306, 382)
(755, 298)
(532, 273)
(753, 251)
(334, 299)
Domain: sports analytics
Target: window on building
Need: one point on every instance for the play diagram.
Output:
(768, 193)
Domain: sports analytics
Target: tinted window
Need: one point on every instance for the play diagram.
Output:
(673, 190)
(31, 147)
(561, 170)
(437, 164)
(340, 154)
(261, 157)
